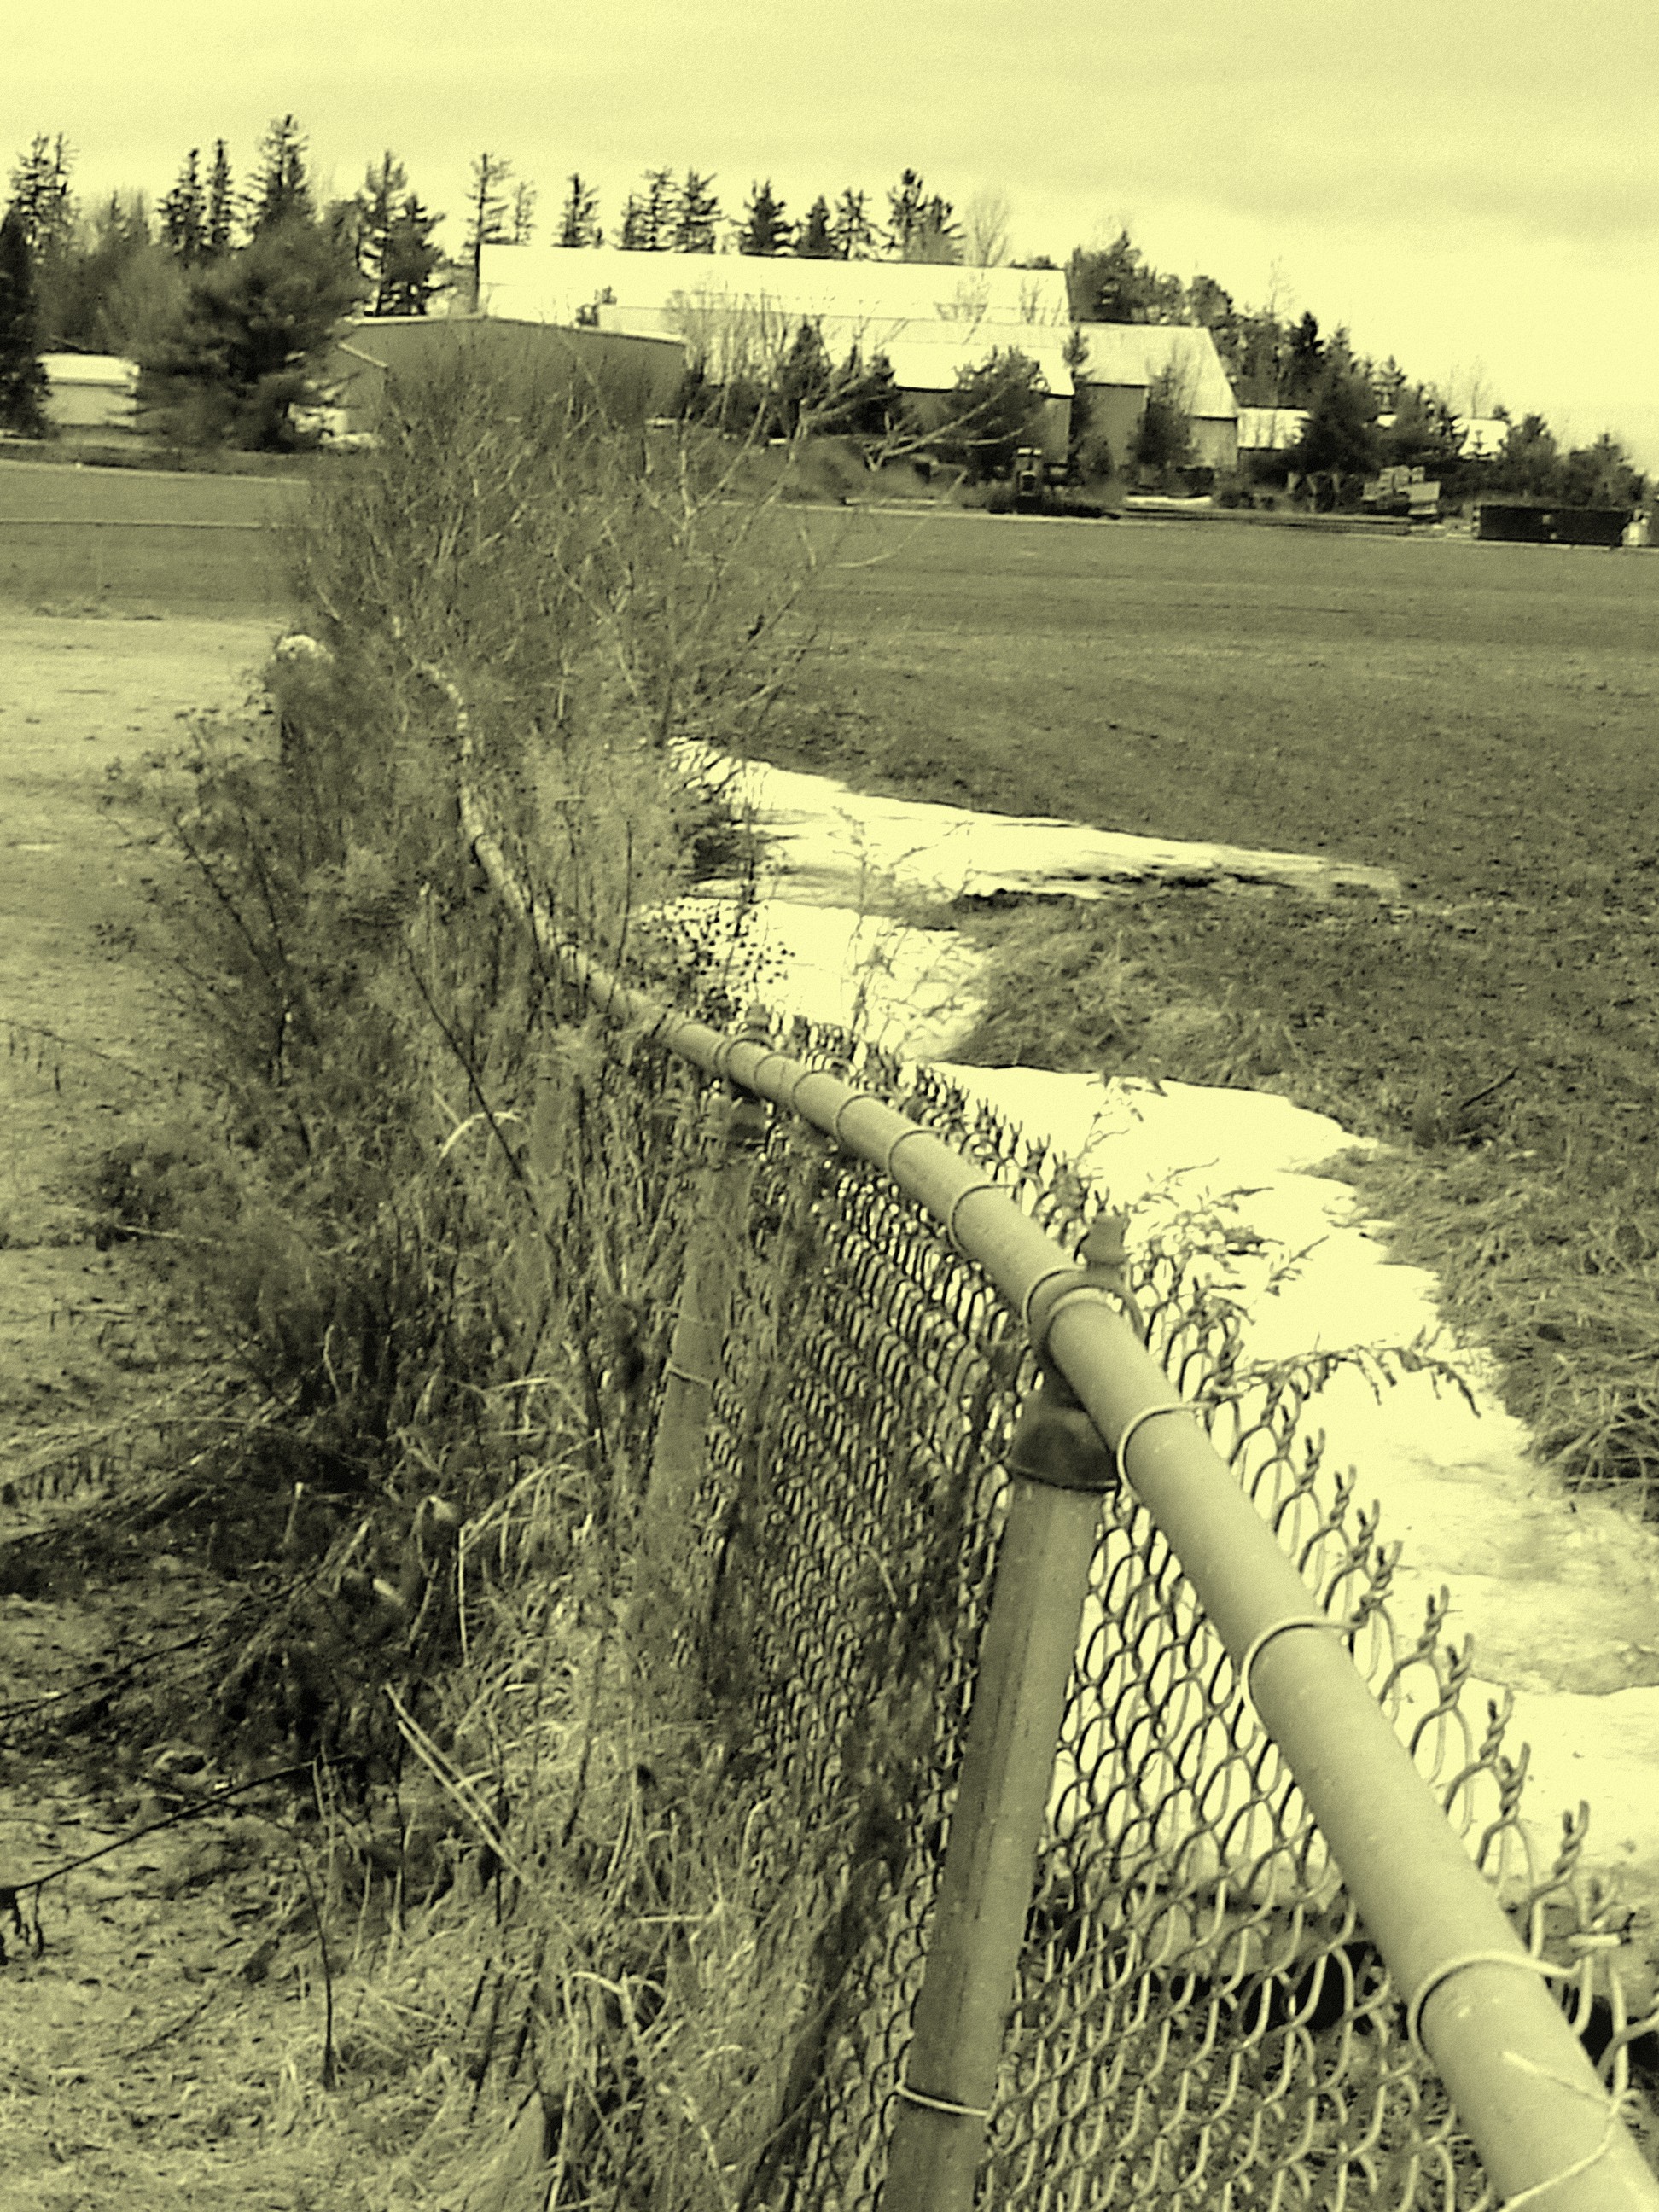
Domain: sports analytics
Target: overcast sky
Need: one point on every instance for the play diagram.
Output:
(1470, 185)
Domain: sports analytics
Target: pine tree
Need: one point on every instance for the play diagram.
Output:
(280, 192)
(696, 212)
(920, 226)
(22, 380)
(221, 204)
(802, 383)
(577, 226)
(863, 400)
(236, 359)
(650, 217)
(392, 241)
(852, 233)
(41, 198)
(766, 228)
(183, 211)
(1305, 369)
(409, 272)
(92, 273)
(385, 183)
(814, 242)
(493, 218)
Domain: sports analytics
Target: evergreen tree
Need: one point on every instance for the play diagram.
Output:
(236, 359)
(1529, 464)
(41, 198)
(696, 211)
(1164, 440)
(183, 211)
(920, 226)
(493, 216)
(577, 226)
(1602, 475)
(995, 409)
(863, 400)
(390, 236)
(1305, 365)
(803, 382)
(1114, 284)
(906, 204)
(766, 228)
(280, 192)
(385, 183)
(408, 275)
(651, 217)
(852, 233)
(939, 237)
(221, 222)
(22, 380)
(1339, 438)
(814, 242)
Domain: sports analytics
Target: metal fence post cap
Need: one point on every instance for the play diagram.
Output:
(1055, 1443)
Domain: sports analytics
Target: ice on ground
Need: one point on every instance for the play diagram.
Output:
(822, 836)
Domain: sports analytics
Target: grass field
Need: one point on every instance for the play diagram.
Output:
(1435, 705)
(174, 543)
(1479, 717)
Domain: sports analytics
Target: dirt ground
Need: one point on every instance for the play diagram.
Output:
(150, 2053)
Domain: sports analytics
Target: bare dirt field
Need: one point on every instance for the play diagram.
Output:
(149, 2056)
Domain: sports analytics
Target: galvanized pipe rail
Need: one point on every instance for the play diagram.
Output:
(1547, 2130)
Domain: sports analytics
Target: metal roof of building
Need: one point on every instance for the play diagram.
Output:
(931, 321)
(542, 285)
(106, 369)
(1139, 353)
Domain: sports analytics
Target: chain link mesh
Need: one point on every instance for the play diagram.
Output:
(1200, 2020)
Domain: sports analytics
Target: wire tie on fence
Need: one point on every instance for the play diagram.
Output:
(1611, 2114)
(1139, 1421)
(961, 1198)
(943, 2104)
(1432, 1980)
(1245, 1693)
(685, 1375)
(858, 1098)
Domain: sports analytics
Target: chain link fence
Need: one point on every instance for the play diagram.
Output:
(1200, 2018)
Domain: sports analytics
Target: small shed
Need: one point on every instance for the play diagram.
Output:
(639, 377)
(89, 391)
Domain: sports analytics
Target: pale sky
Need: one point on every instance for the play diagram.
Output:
(1470, 185)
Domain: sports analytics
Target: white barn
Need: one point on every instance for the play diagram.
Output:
(1126, 360)
(931, 321)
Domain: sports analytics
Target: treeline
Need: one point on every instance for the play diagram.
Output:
(225, 290)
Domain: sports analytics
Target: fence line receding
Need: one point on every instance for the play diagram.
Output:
(1159, 1863)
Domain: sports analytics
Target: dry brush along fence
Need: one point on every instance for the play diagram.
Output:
(1025, 1619)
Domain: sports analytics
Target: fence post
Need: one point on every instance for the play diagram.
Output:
(701, 1316)
(1058, 1469)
